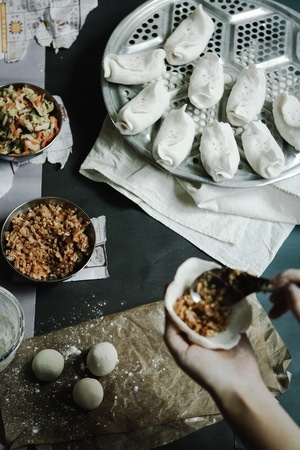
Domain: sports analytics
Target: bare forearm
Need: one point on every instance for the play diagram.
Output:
(258, 419)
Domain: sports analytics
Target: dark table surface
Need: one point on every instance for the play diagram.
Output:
(142, 253)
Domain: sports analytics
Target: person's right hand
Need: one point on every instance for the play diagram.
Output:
(288, 297)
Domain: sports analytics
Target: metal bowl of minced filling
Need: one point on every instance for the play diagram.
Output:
(47, 239)
(12, 326)
(30, 121)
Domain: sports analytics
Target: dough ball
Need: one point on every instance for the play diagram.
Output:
(102, 358)
(88, 393)
(48, 364)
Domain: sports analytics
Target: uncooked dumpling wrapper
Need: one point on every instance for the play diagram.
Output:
(262, 151)
(219, 152)
(207, 82)
(134, 68)
(240, 318)
(286, 113)
(144, 109)
(247, 96)
(174, 139)
(190, 38)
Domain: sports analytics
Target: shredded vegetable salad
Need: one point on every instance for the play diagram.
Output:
(26, 122)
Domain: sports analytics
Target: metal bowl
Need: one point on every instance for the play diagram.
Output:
(12, 327)
(52, 277)
(56, 113)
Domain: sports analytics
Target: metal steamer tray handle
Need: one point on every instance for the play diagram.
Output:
(263, 33)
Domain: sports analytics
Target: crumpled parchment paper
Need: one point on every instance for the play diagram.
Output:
(147, 398)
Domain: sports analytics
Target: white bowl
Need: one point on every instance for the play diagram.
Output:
(240, 317)
(12, 327)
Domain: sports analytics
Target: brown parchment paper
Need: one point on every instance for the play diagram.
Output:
(148, 400)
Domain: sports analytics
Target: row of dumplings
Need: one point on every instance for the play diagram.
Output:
(184, 45)
(218, 148)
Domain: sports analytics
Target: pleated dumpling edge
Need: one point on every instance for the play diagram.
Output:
(174, 139)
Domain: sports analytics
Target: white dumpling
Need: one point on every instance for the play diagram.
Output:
(174, 139)
(190, 38)
(134, 68)
(48, 364)
(88, 393)
(144, 109)
(286, 113)
(219, 152)
(240, 318)
(247, 96)
(262, 151)
(102, 358)
(206, 85)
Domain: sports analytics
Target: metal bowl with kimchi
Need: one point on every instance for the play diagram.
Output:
(30, 121)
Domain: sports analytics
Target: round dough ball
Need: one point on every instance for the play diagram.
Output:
(102, 358)
(88, 393)
(48, 364)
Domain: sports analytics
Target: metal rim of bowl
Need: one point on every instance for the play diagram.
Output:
(21, 328)
(57, 112)
(24, 207)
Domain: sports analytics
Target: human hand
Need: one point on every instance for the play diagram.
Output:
(288, 297)
(218, 371)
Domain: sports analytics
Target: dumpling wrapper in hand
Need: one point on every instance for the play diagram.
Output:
(174, 139)
(240, 318)
(219, 152)
(262, 151)
(144, 109)
(247, 96)
(190, 38)
(207, 82)
(286, 113)
(134, 68)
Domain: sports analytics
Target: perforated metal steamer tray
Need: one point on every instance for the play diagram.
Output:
(264, 33)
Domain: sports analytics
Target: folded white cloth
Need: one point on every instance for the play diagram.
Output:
(262, 151)
(144, 109)
(134, 68)
(97, 266)
(219, 152)
(190, 38)
(277, 202)
(207, 82)
(174, 139)
(234, 240)
(286, 113)
(247, 96)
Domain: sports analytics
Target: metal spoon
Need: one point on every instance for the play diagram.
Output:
(228, 286)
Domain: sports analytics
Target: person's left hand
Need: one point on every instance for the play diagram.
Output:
(213, 369)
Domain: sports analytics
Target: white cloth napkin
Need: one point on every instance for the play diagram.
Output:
(97, 267)
(236, 239)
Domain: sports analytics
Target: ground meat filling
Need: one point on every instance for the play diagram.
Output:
(206, 317)
(47, 242)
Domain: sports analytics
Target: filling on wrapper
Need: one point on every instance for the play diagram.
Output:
(47, 242)
(206, 317)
